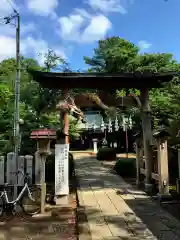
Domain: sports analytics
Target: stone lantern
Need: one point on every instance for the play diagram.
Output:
(44, 138)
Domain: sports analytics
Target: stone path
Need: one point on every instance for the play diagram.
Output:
(115, 210)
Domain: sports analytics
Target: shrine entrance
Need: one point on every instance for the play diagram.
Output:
(104, 83)
(109, 129)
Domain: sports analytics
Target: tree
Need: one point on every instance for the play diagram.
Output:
(37, 105)
(118, 55)
(112, 55)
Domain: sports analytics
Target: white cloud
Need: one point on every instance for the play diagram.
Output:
(107, 6)
(96, 29)
(38, 47)
(70, 26)
(10, 50)
(143, 44)
(29, 47)
(43, 7)
(81, 26)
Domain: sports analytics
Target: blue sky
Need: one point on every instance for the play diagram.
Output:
(72, 28)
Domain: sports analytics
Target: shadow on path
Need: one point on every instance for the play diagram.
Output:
(115, 208)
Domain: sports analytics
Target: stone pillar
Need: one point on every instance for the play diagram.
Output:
(40, 178)
(11, 168)
(43, 182)
(163, 167)
(21, 168)
(37, 168)
(147, 137)
(29, 167)
(43, 137)
(2, 170)
(95, 145)
(43, 149)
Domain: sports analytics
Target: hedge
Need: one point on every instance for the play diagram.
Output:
(106, 154)
(126, 167)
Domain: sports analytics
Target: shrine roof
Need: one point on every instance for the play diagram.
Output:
(101, 80)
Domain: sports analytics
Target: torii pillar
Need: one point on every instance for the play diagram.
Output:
(66, 122)
(147, 136)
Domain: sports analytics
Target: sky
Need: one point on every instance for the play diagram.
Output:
(72, 28)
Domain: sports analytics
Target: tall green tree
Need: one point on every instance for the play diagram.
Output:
(118, 55)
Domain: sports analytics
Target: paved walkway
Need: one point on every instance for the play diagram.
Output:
(131, 215)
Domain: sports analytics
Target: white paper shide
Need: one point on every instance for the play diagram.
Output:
(61, 169)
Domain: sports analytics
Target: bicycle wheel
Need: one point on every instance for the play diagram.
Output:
(29, 206)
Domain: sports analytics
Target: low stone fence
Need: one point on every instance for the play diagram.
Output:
(26, 164)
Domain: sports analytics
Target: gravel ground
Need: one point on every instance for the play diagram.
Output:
(60, 223)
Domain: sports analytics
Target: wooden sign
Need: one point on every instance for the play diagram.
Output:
(61, 169)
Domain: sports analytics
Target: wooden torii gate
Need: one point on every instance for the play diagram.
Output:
(105, 82)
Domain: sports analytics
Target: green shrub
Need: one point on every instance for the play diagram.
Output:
(126, 167)
(106, 154)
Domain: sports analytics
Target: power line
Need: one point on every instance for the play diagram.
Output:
(11, 4)
(10, 17)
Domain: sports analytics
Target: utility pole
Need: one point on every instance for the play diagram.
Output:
(17, 103)
(16, 131)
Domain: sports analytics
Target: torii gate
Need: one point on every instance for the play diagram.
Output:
(106, 81)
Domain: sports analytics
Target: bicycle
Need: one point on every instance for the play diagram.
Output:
(10, 206)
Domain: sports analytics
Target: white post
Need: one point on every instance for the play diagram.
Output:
(21, 168)
(61, 169)
(11, 168)
(95, 145)
(29, 165)
(1, 170)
